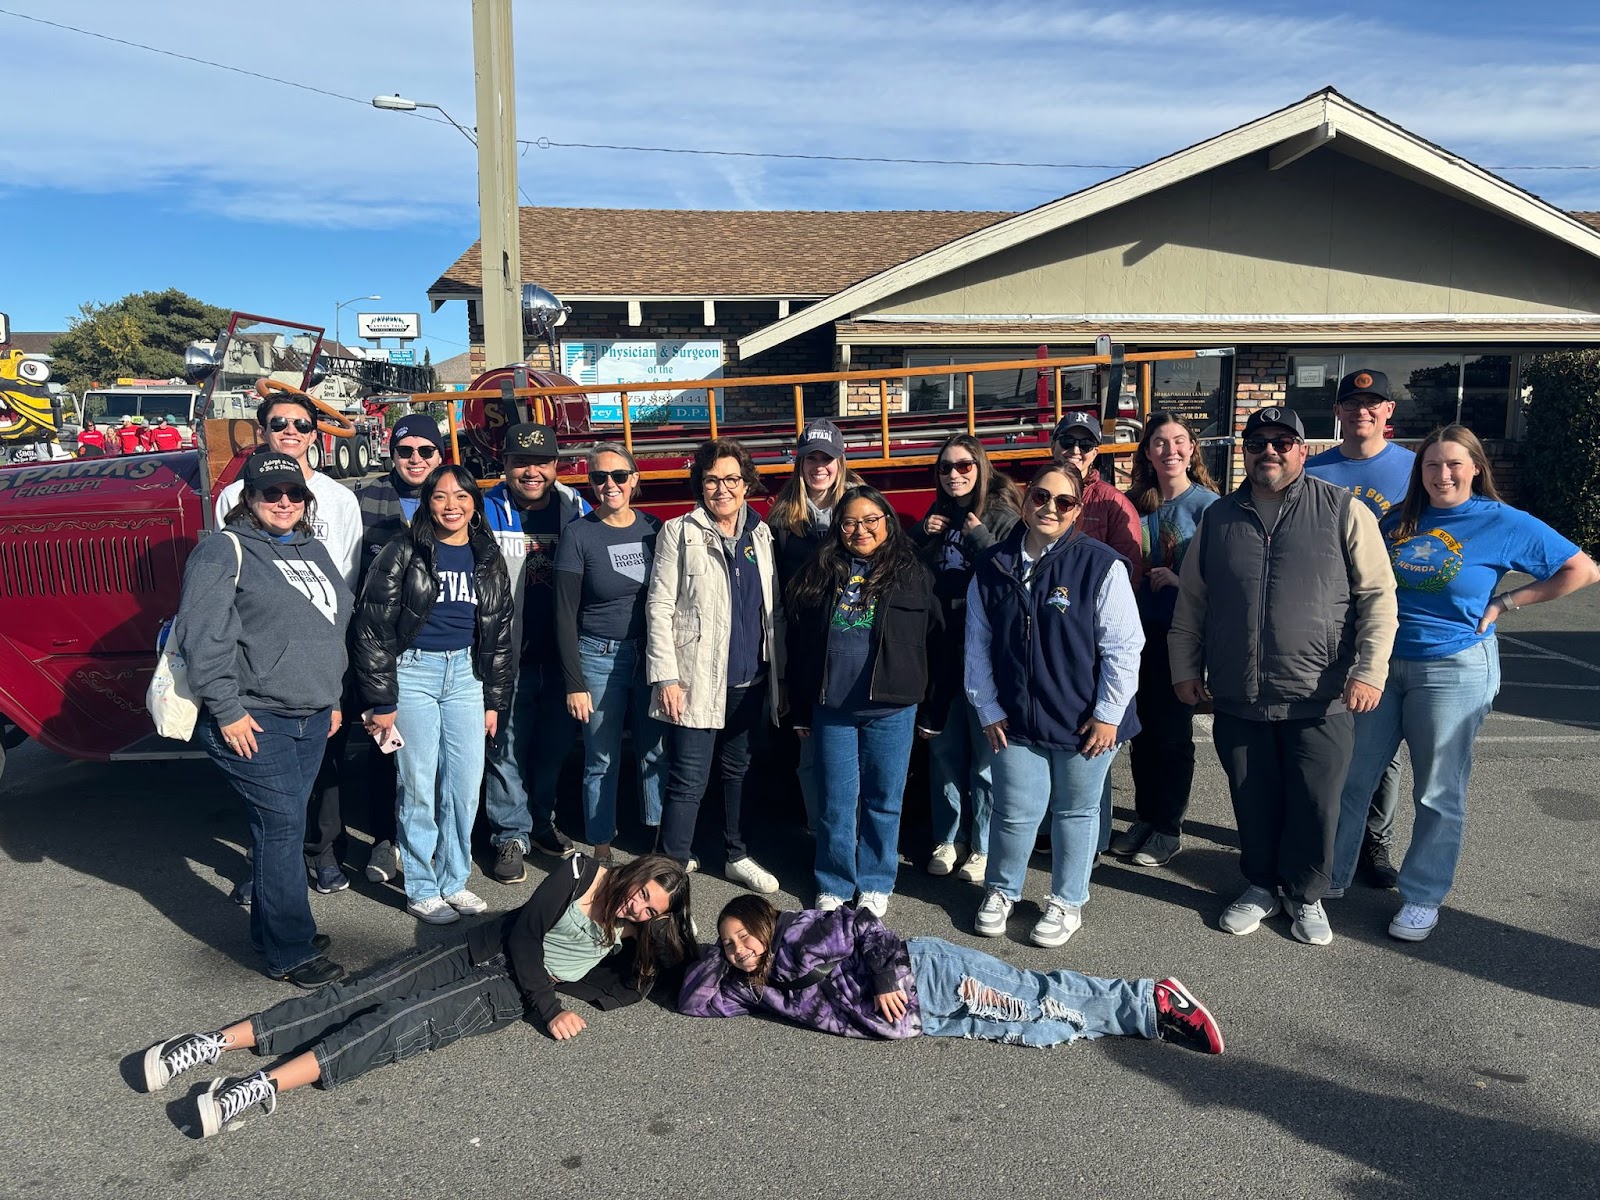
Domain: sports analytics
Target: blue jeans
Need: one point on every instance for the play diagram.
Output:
(960, 763)
(619, 692)
(534, 737)
(275, 784)
(1028, 782)
(1436, 705)
(440, 767)
(864, 762)
(964, 992)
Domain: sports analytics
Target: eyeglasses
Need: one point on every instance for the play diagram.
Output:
(295, 493)
(598, 478)
(1074, 445)
(301, 424)
(425, 453)
(1367, 401)
(1039, 498)
(716, 483)
(963, 465)
(1284, 444)
(870, 524)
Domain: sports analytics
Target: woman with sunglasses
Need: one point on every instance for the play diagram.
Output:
(714, 636)
(800, 518)
(975, 506)
(261, 627)
(434, 662)
(864, 631)
(1053, 641)
(1171, 488)
(602, 576)
(594, 933)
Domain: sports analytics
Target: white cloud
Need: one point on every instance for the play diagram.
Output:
(1018, 81)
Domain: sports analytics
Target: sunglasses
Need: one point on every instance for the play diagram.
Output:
(1284, 444)
(598, 478)
(425, 453)
(950, 466)
(1080, 445)
(301, 424)
(1064, 503)
(295, 493)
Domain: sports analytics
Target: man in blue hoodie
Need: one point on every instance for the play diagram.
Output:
(527, 514)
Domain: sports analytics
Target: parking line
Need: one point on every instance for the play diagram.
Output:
(1566, 658)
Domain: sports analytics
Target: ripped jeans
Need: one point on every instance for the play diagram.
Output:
(966, 993)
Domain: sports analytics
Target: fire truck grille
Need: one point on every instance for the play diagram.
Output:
(78, 567)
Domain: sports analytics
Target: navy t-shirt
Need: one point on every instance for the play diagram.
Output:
(454, 617)
(542, 529)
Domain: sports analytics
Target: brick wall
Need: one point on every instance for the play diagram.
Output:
(1260, 380)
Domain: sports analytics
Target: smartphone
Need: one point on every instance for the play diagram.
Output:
(388, 741)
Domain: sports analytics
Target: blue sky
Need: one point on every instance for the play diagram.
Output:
(122, 170)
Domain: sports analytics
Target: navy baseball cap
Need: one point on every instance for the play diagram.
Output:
(1286, 417)
(265, 468)
(1363, 383)
(416, 425)
(823, 436)
(1077, 419)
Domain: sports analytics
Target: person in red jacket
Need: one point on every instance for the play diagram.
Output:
(165, 435)
(1107, 515)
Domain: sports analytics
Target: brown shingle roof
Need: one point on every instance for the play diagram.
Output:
(681, 252)
(32, 343)
(1591, 219)
(1218, 332)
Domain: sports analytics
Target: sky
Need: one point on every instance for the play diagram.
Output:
(126, 170)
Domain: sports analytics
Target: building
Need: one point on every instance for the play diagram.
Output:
(1311, 240)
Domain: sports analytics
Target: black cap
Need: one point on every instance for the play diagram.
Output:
(267, 467)
(1077, 419)
(416, 425)
(530, 438)
(823, 436)
(1363, 383)
(1285, 417)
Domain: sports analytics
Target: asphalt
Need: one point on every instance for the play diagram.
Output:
(1464, 1066)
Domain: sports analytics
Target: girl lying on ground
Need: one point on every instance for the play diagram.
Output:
(843, 972)
(581, 916)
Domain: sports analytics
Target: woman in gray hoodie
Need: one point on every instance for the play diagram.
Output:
(261, 627)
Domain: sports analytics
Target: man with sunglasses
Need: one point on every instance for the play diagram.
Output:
(1108, 516)
(527, 514)
(1377, 472)
(287, 424)
(1286, 610)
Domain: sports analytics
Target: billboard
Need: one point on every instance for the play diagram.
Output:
(373, 326)
(645, 361)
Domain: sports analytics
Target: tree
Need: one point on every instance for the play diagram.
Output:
(1562, 443)
(143, 334)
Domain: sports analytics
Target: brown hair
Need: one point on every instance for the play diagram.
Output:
(670, 937)
(761, 919)
(991, 485)
(242, 509)
(709, 451)
(1417, 495)
(788, 511)
(1143, 490)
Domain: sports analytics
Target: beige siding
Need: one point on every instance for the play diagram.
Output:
(1327, 234)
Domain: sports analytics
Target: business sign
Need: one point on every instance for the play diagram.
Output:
(646, 361)
(403, 358)
(404, 326)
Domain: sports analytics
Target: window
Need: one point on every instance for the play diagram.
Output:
(991, 389)
(1429, 387)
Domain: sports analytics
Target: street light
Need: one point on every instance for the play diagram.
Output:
(338, 308)
(401, 104)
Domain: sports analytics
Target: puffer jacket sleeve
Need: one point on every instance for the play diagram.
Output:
(503, 663)
(375, 644)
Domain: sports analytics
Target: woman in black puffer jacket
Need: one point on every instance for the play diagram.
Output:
(433, 657)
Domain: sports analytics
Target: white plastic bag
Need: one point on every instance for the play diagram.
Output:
(170, 702)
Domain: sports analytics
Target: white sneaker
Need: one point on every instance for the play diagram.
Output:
(1059, 923)
(1414, 922)
(827, 903)
(973, 869)
(752, 875)
(876, 903)
(943, 860)
(383, 864)
(992, 914)
(434, 910)
(468, 904)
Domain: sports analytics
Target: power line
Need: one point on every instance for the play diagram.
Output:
(545, 143)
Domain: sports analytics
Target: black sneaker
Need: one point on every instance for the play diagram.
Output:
(165, 1061)
(226, 1098)
(328, 880)
(311, 975)
(1376, 869)
(554, 843)
(1182, 1018)
(508, 864)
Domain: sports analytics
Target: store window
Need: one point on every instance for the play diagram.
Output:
(991, 389)
(1429, 387)
(1200, 390)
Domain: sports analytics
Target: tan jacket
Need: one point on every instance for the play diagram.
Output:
(688, 615)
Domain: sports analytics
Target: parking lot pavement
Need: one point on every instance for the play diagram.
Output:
(1463, 1066)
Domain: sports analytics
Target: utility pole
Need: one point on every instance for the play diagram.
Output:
(499, 232)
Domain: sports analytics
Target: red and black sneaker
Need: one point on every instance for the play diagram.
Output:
(1181, 1017)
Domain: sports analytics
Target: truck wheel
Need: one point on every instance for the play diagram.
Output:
(363, 456)
(342, 459)
(314, 456)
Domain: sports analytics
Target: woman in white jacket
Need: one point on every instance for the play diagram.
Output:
(715, 650)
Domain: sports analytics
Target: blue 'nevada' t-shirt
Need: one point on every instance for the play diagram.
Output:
(1379, 482)
(451, 623)
(1446, 573)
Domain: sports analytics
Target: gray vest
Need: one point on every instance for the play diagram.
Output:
(1280, 631)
